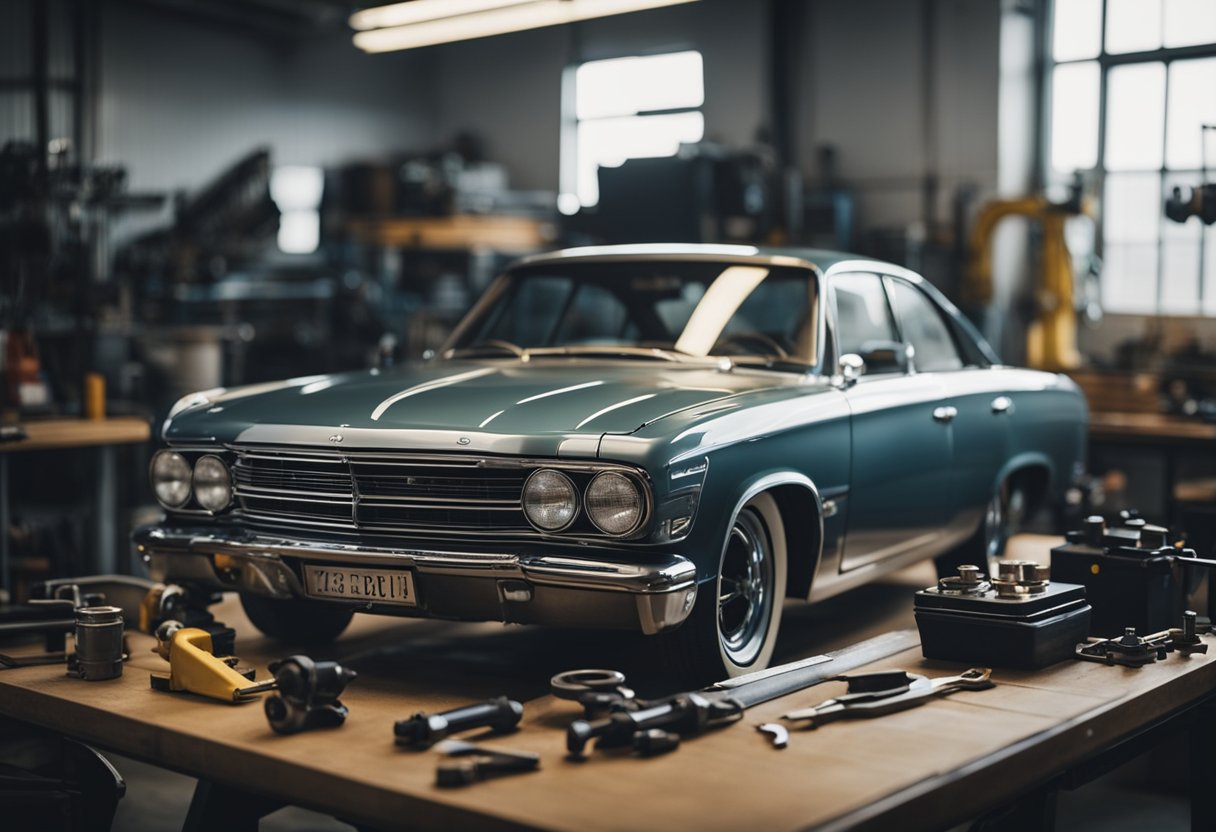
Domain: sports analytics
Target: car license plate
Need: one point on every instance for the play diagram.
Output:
(383, 586)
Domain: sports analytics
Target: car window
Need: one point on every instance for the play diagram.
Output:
(862, 314)
(756, 313)
(922, 326)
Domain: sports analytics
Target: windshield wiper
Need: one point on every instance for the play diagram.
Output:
(616, 351)
(492, 347)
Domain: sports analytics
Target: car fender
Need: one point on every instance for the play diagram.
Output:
(767, 481)
(1025, 459)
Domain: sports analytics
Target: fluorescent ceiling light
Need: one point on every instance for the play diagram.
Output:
(416, 11)
(428, 22)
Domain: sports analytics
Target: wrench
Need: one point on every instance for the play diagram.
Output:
(920, 690)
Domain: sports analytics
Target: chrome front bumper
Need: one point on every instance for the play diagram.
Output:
(650, 593)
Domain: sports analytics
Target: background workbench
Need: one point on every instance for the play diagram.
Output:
(103, 435)
(925, 768)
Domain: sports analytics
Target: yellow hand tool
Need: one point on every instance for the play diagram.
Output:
(194, 668)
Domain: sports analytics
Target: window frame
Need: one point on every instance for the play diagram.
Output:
(568, 161)
(1166, 55)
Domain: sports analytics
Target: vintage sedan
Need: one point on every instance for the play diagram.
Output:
(663, 439)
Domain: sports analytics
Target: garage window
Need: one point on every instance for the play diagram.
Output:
(626, 108)
(1130, 84)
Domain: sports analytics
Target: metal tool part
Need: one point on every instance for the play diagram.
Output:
(868, 698)
(307, 695)
(194, 667)
(968, 581)
(475, 762)
(1128, 649)
(1186, 639)
(99, 649)
(422, 730)
(778, 736)
(1020, 578)
(617, 721)
(598, 691)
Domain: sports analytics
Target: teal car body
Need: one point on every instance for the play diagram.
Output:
(867, 470)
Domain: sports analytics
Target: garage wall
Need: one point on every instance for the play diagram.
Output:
(183, 99)
(864, 75)
(508, 89)
(855, 54)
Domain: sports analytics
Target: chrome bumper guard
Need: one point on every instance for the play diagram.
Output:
(649, 595)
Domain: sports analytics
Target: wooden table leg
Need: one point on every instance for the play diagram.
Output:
(1203, 768)
(222, 807)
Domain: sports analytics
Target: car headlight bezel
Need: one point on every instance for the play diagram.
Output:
(216, 481)
(596, 514)
(158, 475)
(559, 480)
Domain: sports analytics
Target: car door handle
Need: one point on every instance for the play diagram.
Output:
(1002, 404)
(944, 414)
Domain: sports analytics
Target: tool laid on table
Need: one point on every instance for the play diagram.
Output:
(194, 666)
(307, 694)
(615, 718)
(1018, 619)
(1131, 650)
(777, 733)
(99, 644)
(97, 629)
(423, 730)
(887, 692)
(471, 763)
(1128, 649)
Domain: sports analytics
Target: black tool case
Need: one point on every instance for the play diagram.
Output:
(1024, 633)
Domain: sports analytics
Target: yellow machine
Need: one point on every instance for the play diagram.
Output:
(1051, 339)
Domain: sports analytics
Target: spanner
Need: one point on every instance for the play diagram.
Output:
(918, 691)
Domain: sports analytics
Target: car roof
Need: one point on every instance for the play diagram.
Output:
(822, 260)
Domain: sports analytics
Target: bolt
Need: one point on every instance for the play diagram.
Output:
(969, 575)
(1190, 619)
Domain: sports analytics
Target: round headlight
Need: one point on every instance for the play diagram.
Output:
(614, 503)
(550, 500)
(170, 474)
(212, 483)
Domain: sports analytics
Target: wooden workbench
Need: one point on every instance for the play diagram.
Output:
(922, 769)
(57, 434)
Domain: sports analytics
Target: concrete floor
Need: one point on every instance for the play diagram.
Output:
(519, 660)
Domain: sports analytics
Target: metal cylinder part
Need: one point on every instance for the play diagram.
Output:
(99, 643)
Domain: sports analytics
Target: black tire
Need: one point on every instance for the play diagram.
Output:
(297, 621)
(987, 545)
(732, 630)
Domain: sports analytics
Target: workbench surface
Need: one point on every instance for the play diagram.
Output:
(53, 434)
(923, 768)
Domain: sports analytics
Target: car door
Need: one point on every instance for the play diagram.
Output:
(981, 426)
(899, 495)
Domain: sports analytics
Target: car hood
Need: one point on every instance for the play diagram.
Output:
(474, 399)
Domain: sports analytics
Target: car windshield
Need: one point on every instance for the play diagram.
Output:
(757, 313)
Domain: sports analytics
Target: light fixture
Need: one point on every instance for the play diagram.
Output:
(418, 23)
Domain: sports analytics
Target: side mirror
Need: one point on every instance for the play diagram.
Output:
(886, 357)
(851, 368)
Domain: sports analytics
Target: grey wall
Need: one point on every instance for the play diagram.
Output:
(864, 75)
(859, 87)
(180, 100)
(508, 89)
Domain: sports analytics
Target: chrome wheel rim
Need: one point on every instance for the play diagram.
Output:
(745, 587)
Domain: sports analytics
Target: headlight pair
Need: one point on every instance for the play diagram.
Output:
(174, 480)
(613, 501)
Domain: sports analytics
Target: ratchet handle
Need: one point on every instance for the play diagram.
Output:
(422, 730)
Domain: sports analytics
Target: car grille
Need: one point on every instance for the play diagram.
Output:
(379, 492)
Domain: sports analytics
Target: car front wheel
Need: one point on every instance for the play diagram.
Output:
(297, 621)
(733, 626)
